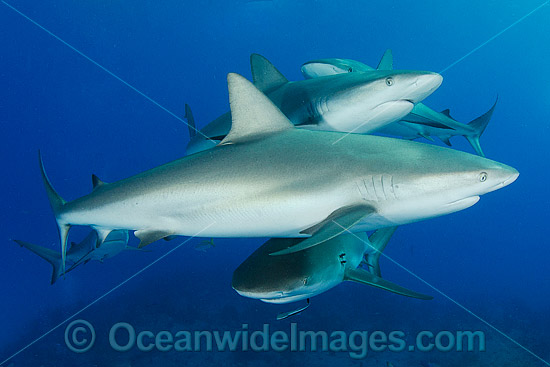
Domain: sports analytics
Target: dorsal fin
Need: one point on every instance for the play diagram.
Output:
(96, 182)
(190, 121)
(266, 77)
(386, 62)
(252, 113)
(446, 139)
(447, 112)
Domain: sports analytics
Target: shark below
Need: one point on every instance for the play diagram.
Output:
(270, 179)
(302, 275)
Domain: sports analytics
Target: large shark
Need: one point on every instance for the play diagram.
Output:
(358, 103)
(269, 179)
(422, 121)
(88, 249)
(302, 275)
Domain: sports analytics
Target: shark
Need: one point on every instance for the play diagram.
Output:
(81, 253)
(302, 275)
(267, 178)
(358, 103)
(422, 121)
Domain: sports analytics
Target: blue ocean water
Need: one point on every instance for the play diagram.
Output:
(492, 259)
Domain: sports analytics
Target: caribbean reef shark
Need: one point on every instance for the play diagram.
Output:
(359, 103)
(269, 179)
(302, 275)
(422, 121)
(81, 253)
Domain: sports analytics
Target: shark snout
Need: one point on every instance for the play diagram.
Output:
(504, 176)
(499, 177)
(514, 174)
(422, 85)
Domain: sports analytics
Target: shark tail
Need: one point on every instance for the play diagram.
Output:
(479, 125)
(47, 254)
(57, 203)
(378, 240)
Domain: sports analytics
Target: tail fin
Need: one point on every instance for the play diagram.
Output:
(386, 62)
(479, 125)
(378, 240)
(47, 254)
(190, 121)
(57, 203)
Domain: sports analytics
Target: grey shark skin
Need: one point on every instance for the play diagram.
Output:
(302, 275)
(81, 253)
(270, 179)
(422, 121)
(358, 103)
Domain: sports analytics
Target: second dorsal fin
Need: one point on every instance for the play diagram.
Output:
(96, 182)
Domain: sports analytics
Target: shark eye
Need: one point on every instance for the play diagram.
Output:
(389, 81)
(350, 70)
(483, 176)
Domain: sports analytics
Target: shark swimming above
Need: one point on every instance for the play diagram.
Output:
(422, 121)
(359, 103)
(304, 274)
(270, 179)
(82, 252)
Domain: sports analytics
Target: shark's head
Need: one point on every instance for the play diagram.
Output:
(324, 67)
(297, 276)
(441, 183)
(364, 102)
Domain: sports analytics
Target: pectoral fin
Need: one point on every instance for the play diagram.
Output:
(364, 277)
(378, 242)
(148, 236)
(336, 223)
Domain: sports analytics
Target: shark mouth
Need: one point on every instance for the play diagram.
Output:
(463, 203)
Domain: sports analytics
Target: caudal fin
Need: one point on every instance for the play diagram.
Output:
(57, 203)
(47, 254)
(479, 125)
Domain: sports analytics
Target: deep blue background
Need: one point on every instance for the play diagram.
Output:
(493, 257)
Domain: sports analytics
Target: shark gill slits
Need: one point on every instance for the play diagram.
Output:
(389, 81)
(483, 176)
(342, 257)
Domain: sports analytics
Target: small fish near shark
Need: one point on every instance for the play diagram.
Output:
(422, 121)
(359, 102)
(302, 275)
(269, 179)
(88, 249)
